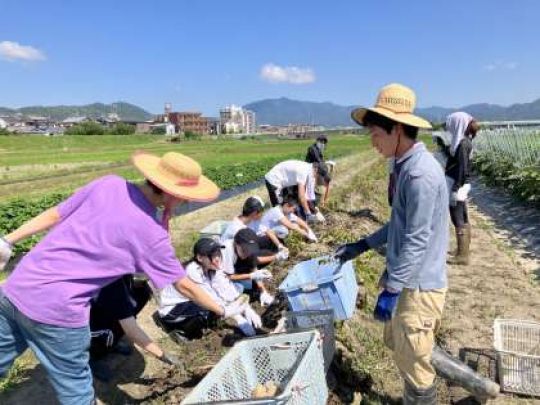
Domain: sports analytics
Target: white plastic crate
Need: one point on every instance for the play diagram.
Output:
(517, 343)
(322, 283)
(214, 230)
(294, 361)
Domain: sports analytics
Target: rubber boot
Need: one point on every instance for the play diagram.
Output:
(468, 233)
(462, 256)
(419, 396)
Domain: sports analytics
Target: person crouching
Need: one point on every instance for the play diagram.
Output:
(188, 320)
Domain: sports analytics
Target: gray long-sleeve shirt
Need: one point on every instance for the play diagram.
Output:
(417, 234)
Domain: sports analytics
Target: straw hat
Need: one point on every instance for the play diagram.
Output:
(396, 102)
(177, 175)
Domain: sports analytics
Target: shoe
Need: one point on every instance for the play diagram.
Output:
(100, 370)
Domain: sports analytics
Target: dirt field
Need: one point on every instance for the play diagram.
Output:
(502, 281)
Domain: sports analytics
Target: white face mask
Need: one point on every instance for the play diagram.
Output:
(321, 145)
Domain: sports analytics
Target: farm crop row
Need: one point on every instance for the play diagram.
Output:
(510, 158)
(17, 211)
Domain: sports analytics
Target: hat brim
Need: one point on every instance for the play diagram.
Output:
(404, 118)
(205, 190)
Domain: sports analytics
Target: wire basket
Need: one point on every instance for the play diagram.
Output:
(292, 361)
(517, 343)
(323, 321)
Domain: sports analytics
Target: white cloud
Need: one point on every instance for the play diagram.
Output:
(287, 74)
(13, 51)
(501, 65)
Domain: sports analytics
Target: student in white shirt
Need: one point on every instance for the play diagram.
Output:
(271, 248)
(281, 219)
(186, 318)
(296, 175)
(240, 264)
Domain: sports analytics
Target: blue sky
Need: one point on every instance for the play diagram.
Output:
(201, 55)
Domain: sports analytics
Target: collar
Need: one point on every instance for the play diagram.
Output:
(417, 147)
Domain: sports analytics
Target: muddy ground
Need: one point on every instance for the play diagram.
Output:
(502, 281)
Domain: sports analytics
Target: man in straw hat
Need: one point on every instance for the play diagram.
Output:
(413, 286)
(105, 230)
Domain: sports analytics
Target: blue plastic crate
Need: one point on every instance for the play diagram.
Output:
(321, 283)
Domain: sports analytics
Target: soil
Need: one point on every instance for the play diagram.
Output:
(501, 281)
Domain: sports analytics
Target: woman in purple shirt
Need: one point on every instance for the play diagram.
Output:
(105, 230)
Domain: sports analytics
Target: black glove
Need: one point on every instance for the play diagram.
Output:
(171, 360)
(349, 251)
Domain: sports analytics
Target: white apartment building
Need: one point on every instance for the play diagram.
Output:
(234, 119)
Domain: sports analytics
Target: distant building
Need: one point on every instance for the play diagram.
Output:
(234, 119)
(187, 121)
(71, 121)
(3, 124)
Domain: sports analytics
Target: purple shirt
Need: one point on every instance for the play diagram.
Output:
(107, 229)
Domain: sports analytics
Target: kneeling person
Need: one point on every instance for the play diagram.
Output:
(281, 219)
(188, 319)
(112, 315)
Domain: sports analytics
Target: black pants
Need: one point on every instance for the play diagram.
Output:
(188, 319)
(459, 214)
(106, 332)
(272, 193)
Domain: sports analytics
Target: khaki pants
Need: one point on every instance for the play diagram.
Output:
(410, 334)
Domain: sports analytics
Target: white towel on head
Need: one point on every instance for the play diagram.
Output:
(456, 124)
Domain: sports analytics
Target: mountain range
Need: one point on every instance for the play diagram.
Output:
(126, 111)
(282, 111)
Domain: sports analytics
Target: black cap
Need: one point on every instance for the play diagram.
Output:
(322, 138)
(207, 247)
(247, 239)
(251, 205)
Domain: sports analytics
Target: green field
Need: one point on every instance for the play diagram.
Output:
(31, 166)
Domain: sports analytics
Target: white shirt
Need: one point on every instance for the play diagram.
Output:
(270, 220)
(289, 173)
(234, 226)
(218, 286)
(229, 257)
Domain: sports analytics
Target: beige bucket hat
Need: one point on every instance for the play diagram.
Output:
(396, 102)
(177, 175)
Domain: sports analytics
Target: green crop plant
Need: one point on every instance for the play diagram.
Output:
(510, 159)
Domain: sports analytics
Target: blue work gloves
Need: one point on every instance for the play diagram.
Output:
(349, 251)
(385, 305)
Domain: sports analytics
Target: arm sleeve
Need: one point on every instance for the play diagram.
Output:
(224, 288)
(160, 264)
(378, 238)
(419, 213)
(462, 162)
(68, 206)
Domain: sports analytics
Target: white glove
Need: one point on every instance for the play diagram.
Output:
(260, 275)
(6, 250)
(283, 254)
(253, 317)
(311, 236)
(244, 325)
(266, 299)
(236, 307)
(320, 217)
(463, 192)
